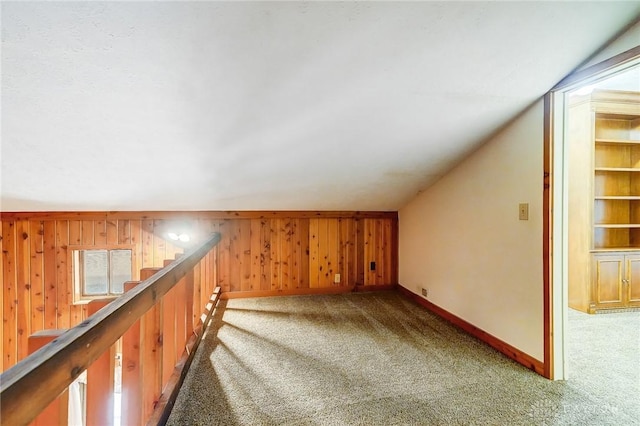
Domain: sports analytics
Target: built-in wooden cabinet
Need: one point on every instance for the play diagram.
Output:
(603, 146)
(616, 280)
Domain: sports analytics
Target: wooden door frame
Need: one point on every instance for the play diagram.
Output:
(550, 184)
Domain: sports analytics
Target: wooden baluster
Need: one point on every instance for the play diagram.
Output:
(131, 377)
(170, 322)
(189, 317)
(189, 301)
(57, 413)
(206, 287)
(181, 311)
(168, 333)
(204, 297)
(151, 353)
(195, 296)
(182, 316)
(100, 375)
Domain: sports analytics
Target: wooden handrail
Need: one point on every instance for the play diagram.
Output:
(28, 387)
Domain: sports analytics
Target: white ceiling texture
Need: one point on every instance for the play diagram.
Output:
(269, 105)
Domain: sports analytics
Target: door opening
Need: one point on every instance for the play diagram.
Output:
(596, 202)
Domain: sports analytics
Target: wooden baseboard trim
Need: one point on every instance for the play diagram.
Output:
(165, 404)
(386, 287)
(306, 291)
(503, 347)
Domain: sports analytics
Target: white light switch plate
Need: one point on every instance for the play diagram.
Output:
(523, 209)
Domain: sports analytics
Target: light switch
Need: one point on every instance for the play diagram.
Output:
(523, 209)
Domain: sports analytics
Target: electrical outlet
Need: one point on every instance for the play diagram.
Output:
(372, 266)
(336, 278)
(425, 292)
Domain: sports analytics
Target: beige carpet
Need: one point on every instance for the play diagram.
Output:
(372, 359)
(604, 359)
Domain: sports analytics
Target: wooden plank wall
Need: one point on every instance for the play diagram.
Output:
(260, 253)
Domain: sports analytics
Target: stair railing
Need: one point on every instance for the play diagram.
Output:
(31, 385)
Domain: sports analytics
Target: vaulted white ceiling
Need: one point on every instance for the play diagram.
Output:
(269, 105)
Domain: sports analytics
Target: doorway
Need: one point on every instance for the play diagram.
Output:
(607, 224)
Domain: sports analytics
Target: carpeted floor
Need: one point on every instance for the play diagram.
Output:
(377, 359)
(604, 358)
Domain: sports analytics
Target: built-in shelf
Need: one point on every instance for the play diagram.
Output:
(617, 197)
(603, 147)
(618, 141)
(616, 169)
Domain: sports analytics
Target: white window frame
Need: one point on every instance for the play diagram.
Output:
(76, 265)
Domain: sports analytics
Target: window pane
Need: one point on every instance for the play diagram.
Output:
(120, 269)
(95, 272)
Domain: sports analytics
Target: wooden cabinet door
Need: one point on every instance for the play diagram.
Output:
(631, 288)
(609, 273)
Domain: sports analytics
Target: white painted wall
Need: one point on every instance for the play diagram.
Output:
(626, 41)
(462, 239)
(630, 78)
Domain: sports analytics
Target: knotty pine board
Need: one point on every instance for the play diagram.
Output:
(2, 298)
(36, 242)
(10, 332)
(259, 252)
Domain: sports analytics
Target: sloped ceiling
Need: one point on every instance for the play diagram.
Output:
(269, 105)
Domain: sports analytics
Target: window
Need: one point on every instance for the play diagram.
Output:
(101, 273)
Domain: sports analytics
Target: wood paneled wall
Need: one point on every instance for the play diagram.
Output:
(36, 270)
(260, 253)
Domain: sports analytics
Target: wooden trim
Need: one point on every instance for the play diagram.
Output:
(547, 226)
(499, 345)
(107, 247)
(170, 392)
(367, 288)
(615, 61)
(77, 292)
(306, 291)
(38, 379)
(183, 215)
(395, 248)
